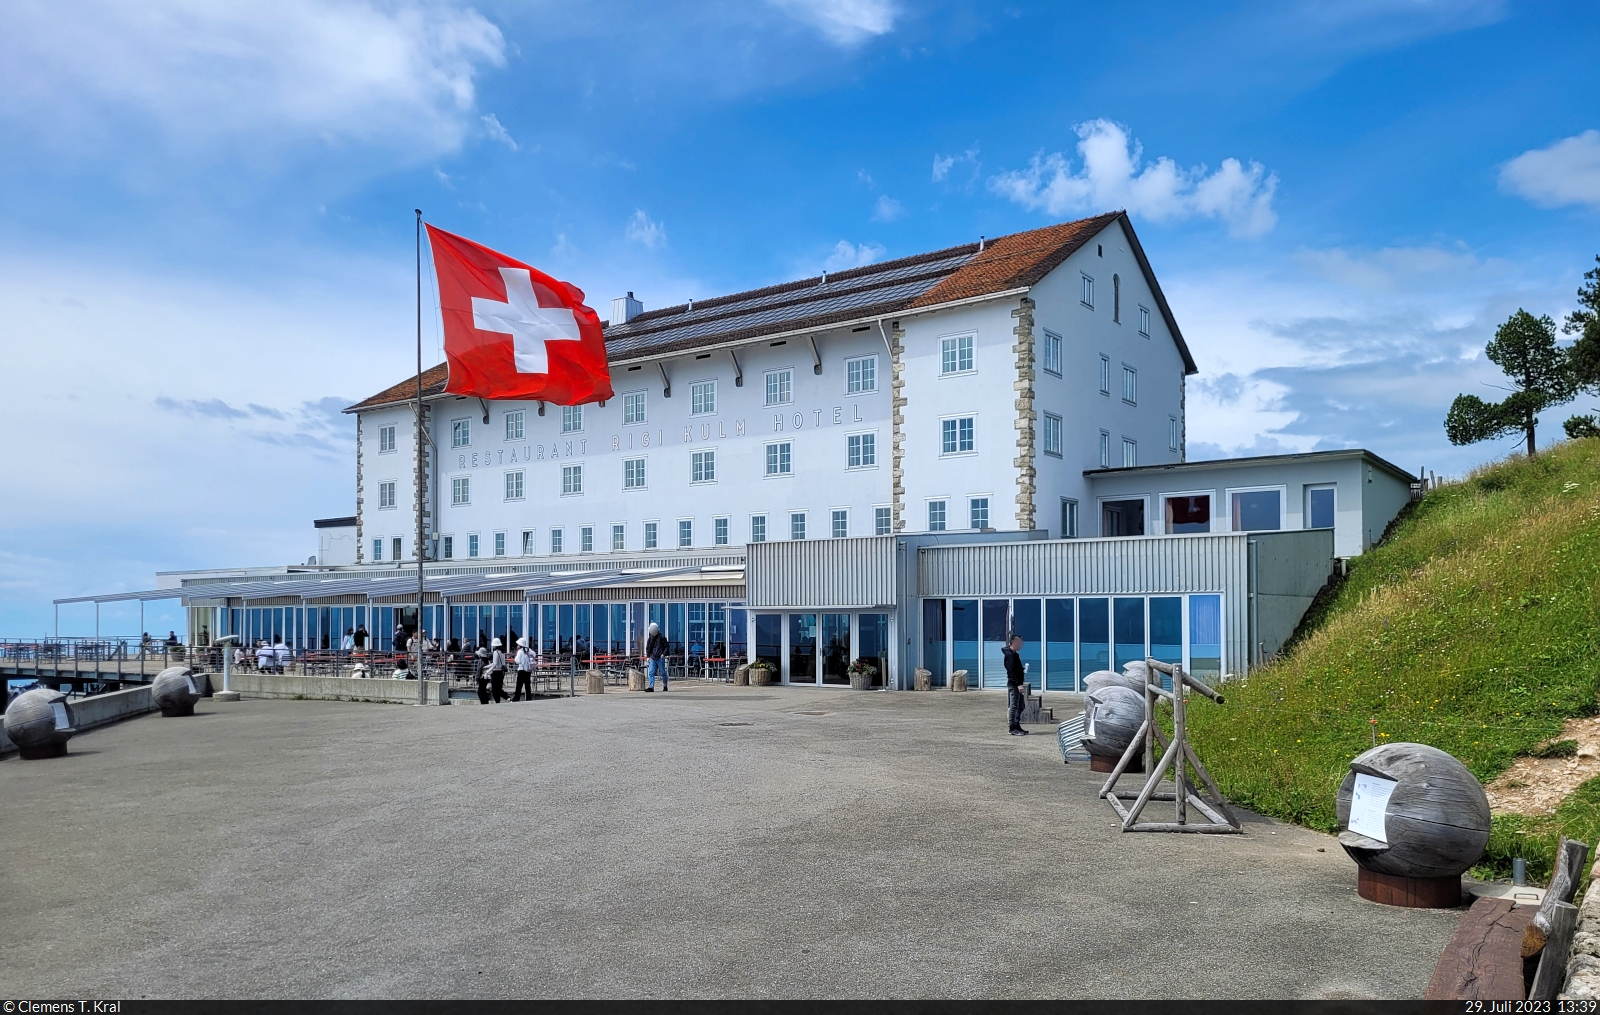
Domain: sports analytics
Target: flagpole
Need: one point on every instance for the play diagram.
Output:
(422, 683)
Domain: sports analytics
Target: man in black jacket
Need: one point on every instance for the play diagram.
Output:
(1014, 680)
(655, 652)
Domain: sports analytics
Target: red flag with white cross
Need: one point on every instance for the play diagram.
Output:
(511, 331)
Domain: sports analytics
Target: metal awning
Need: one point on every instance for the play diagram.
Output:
(389, 586)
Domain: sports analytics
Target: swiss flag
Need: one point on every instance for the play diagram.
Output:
(511, 331)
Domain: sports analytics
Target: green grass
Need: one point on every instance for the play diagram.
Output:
(1473, 627)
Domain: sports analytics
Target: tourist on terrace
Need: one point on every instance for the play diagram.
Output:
(281, 654)
(497, 671)
(264, 657)
(655, 650)
(480, 672)
(1014, 680)
(360, 638)
(524, 663)
(349, 641)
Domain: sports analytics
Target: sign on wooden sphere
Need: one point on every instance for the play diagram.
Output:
(175, 690)
(1114, 714)
(40, 722)
(1412, 811)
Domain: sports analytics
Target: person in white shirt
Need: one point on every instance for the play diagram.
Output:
(281, 652)
(497, 671)
(524, 664)
(264, 657)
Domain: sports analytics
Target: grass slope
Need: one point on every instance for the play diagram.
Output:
(1474, 627)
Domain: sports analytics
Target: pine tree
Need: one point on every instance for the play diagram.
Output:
(1585, 353)
(1525, 349)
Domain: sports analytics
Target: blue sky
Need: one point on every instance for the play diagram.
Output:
(206, 237)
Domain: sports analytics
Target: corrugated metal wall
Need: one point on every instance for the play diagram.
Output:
(821, 573)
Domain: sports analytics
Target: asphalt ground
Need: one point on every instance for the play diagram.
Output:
(710, 842)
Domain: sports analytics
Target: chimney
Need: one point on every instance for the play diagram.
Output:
(625, 309)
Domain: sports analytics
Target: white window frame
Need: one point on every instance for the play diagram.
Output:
(473, 545)
(1086, 289)
(1105, 375)
(619, 536)
(586, 539)
(1144, 321)
(398, 549)
(386, 496)
(461, 433)
(499, 544)
(572, 481)
(972, 502)
(530, 545)
(1100, 511)
(685, 533)
(1130, 384)
(516, 479)
(1130, 450)
(628, 401)
(652, 534)
(377, 549)
(1305, 518)
(386, 439)
(1161, 499)
(1173, 438)
(558, 539)
(783, 377)
(758, 528)
(835, 517)
(1283, 506)
(797, 523)
(1105, 449)
(447, 547)
(766, 459)
(944, 514)
(856, 447)
(516, 424)
(971, 417)
(964, 341)
(864, 365)
(1050, 434)
(572, 419)
(1052, 353)
(721, 530)
(1069, 510)
(698, 394)
(627, 474)
(702, 467)
(460, 491)
(882, 520)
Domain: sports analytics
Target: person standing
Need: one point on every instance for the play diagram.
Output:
(1014, 681)
(349, 641)
(359, 639)
(497, 671)
(281, 654)
(524, 662)
(480, 672)
(655, 650)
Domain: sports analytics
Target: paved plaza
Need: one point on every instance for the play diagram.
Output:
(715, 841)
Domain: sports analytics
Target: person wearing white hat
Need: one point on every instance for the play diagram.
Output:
(497, 670)
(655, 650)
(524, 663)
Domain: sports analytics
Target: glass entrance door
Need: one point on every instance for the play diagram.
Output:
(835, 649)
(802, 649)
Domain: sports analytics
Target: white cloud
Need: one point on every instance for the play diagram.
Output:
(887, 209)
(443, 178)
(496, 132)
(1567, 172)
(865, 177)
(844, 22)
(942, 164)
(850, 255)
(1113, 175)
(645, 230)
(257, 72)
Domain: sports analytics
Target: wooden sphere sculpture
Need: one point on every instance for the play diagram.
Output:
(175, 690)
(1115, 714)
(40, 722)
(1413, 818)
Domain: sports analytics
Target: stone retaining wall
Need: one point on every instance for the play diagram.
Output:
(1583, 969)
(403, 692)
